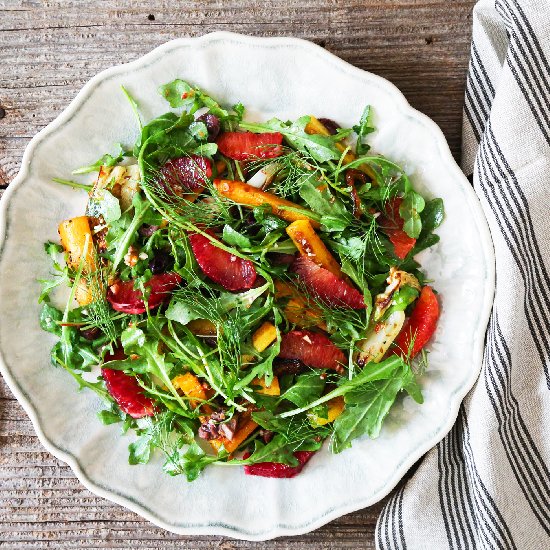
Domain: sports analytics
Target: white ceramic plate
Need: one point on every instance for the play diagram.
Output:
(272, 76)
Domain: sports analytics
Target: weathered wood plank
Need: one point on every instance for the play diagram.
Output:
(48, 50)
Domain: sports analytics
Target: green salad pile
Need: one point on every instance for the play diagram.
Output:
(241, 292)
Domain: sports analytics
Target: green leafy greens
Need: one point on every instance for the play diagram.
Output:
(207, 360)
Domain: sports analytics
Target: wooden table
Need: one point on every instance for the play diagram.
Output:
(48, 50)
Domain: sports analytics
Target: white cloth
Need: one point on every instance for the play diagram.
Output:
(487, 484)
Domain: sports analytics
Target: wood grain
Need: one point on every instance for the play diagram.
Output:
(48, 50)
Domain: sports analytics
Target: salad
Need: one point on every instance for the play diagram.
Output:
(241, 292)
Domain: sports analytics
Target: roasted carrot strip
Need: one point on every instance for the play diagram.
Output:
(240, 435)
(264, 336)
(202, 327)
(245, 194)
(297, 311)
(273, 389)
(76, 239)
(83, 294)
(75, 233)
(191, 386)
(310, 244)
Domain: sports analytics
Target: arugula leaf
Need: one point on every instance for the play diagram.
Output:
(298, 432)
(362, 130)
(307, 388)
(123, 241)
(198, 130)
(238, 109)
(423, 242)
(334, 215)
(269, 222)
(52, 249)
(178, 93)
(134, 340)
(412, 387)
(181, 94)
(277, 450)
(233, 238)
(97, 387)
(167, 135)
(166, 432)
(182, 312)
(213, 106)
(264, 368)
(105, 160)
(368, 405)
(432, 215)
(370, 373)
(365, 411)
(108, 417)
(192, 462)
(47, 285)
(50, 318)
(410, 209)
(205, 150)
(133, 105)
(229, 300)
(140, 449)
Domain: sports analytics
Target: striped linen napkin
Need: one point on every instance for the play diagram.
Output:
(487, 484)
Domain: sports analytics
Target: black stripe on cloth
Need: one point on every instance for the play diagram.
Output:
(469, 115)
(442, 491)
(518, 221)
(472, 519)
(466, 517)
(479, 94)
(528, 63)
(382, 539)
(471, 108)
(503, 14)
(391, 523)
(389, 529)
(484, 91)
(525, 460)
(532, 43)
(486, 80)
(501, 188)
(530, 310)
(491, 526)
(454, 497)
(400, 518)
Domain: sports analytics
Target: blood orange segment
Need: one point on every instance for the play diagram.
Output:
(326, 286)
(249, 146)
(420, 326)
(275, 469)
(224, 268)
(125, 298)
(185, 175)
(391, 223)
(128, 394)
(312, 349)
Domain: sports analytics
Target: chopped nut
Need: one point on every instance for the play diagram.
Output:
(132, 256)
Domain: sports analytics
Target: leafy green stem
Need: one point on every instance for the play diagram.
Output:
(371, 372)
(74, 184)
